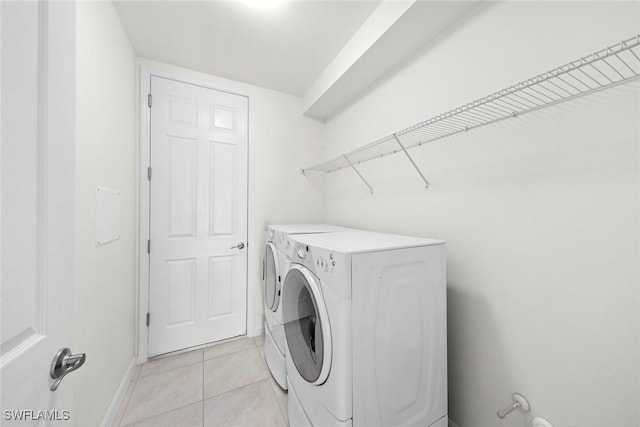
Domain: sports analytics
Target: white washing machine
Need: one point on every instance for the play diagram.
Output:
(365, 325)
(277, 254)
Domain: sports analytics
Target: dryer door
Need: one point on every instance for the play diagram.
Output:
(306, 325)
(271, 285)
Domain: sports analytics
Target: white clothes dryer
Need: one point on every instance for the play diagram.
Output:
(277, 255)
(365, 326)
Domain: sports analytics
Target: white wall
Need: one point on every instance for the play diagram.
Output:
(105, 156)
(540, 214)
(280, 141)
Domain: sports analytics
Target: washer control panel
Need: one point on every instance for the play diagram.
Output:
(325, 264)
(332, 268)
(316, 261)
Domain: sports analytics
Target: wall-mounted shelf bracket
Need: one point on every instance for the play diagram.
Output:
(426, 183)
(358, 172)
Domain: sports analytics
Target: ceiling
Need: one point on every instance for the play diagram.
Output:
(282, 48)
(326, 51)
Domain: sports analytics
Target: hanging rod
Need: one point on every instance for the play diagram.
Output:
(603, 69)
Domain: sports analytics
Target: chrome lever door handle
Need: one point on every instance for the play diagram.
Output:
(238, 246)
(63, 363)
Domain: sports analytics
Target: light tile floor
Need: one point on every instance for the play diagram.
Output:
(227, 384)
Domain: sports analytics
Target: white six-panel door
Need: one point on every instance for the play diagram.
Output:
(198, 215)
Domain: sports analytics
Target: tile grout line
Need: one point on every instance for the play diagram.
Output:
(196, 348)
(139, 376)
(249, 348)
(275, 395)
(227, 354)
(159, 414)
(126, 404)
(156, 414)
(168, 370)
(237, 388)
(137, 379)
(285, 417)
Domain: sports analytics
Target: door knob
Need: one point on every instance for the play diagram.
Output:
(238, 246)
(63, 363)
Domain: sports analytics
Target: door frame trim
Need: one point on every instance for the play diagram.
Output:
(147, 69)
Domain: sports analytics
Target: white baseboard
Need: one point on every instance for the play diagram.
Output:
(110, 416)
(452, 424)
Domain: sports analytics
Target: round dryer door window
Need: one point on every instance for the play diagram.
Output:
(271, 278)
(306, 325)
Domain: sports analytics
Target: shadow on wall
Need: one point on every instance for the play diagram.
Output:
(471, 324)
(421, 11)
(317, 180)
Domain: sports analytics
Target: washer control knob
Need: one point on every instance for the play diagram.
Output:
(301, 253)
(331, 256)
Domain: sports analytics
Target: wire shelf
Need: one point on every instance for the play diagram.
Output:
(603, 69)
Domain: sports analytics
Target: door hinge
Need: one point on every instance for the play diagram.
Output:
(148, 246)
(148, 318)
(149, 173)
(149, 100)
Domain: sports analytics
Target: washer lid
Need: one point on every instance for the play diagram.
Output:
(271, 285)
(306, 325)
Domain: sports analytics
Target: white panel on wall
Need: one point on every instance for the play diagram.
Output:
(107, 215)
(181, 285)
(183, 168)
(220, 273)
(223, 206)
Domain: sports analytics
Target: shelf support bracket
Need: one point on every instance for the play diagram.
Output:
(359, 174)
(411, 160)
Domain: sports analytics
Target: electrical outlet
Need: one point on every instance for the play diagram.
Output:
(540, 422)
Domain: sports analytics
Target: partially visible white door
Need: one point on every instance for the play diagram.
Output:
(198, 215)
(37, 193)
